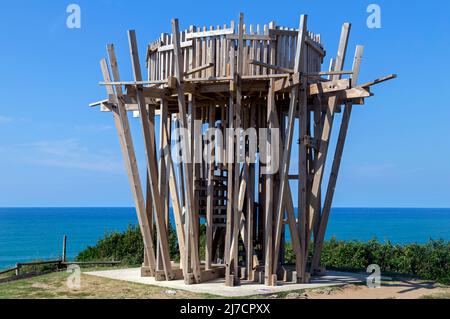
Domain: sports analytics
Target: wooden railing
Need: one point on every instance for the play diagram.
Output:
(206, 51)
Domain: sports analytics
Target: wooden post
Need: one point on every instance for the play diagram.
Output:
(162, 177)
(335, 166)
(285, 161)
(179, 73)
(126, 143)
(319, 164)
(64, 249)
(237, 137)
(149, 212)
(174, 194)
(289, 208)
(150, 147)
(268, 207)
(303, 177)
(229, 279)
(250, 201)
(210, 194)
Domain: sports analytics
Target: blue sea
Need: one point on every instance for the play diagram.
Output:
(28, 234)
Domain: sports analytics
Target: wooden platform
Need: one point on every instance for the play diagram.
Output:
(217, 287)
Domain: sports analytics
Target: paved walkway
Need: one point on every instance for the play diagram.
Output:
(217, 287)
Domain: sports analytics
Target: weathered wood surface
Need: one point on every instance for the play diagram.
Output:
(247, 79)
(318, 245)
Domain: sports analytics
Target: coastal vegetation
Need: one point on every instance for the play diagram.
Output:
(427, 261)
(54, 285)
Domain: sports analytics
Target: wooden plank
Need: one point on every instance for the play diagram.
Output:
(270, 66)
(162, 170)
(379, 80)
(303, 181)
(250, 201)
(127, 144)
(354, 93)
(169, 47)
(270, 50)
(187, 172)
(209, 201)
(318, 245)
(285, 161)
(149, 212)
(237, 126)
(149, 143)
(252, 37)
(315, 141)
(213, 273)
(193, 170)
(329, 86)
(294, 231)
(176, 203)
(319, 164)
(127, 148)
(229, 162)
(319, 74)
(268, 194)
(210, 33)
(290, 212)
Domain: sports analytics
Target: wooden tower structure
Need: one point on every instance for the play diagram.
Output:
(264, 85)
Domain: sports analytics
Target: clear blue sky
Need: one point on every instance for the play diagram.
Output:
(56, 151)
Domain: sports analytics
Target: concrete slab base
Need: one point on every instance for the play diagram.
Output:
(217, 287)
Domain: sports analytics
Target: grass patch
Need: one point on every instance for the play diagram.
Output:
(439, 295)
(54, 286)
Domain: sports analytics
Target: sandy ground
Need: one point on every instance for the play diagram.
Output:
(404, 289)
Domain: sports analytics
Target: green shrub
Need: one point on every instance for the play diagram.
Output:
(127, 247)
(427, 261)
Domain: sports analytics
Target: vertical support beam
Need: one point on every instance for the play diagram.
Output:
(148, 208)
(149, 201)
(229, 276)
(319, 164)
(250, 200)
(335, 166)
(285, 162)
(173, 190)
(294, 231)
(303, 179)
(319, 119)
(151, 158)
(64, 249)
(129, 156)
(230, 166)
(210, 194)
(268, 203)
(179, 73)
(193, 168)
(259, 223)
(237, 149)
(317, 134)
(162, 177)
